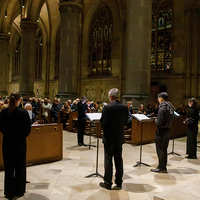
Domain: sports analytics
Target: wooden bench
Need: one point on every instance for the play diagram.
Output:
(73, 117)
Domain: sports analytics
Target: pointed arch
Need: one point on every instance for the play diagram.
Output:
(101, 42)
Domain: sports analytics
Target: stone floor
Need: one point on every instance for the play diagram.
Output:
(65, 179)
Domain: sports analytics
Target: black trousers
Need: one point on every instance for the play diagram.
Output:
(192, 141)
(15, 170)
(81, 130)
(162, 142)
(111, 151)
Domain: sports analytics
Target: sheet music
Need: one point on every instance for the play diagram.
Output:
(142, 117)
(94, 116)
(176, 114)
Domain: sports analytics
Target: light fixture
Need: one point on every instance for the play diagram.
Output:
(6, 14)
(23, 4)
(8, 33)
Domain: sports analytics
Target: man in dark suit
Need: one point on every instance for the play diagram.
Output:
(114, 117)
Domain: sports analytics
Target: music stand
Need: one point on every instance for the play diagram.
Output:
(141, 118)
(176, 115)
(95, 117)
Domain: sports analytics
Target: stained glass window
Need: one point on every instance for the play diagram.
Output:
(100, 44)
(161, 35)
(39, 49)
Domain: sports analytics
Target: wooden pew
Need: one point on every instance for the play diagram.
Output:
(44, 144)
(72, 117)
(149, 130)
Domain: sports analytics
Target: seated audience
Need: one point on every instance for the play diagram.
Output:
(59, 103)
(149, 109)
(22, 104)
(102, 106)
(54, 110)
(141, 110)
(29, 108)
(34, 104)
(74, 106)
(38, 105)
(46, 106)
(181, 110)
(155, 109)
(65, 115)
(69, 102)
(130, 107)
(95, 108)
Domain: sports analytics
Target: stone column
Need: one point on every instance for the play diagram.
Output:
(138, 51)
(4, 62)
(68, 65)
(192, 52)
(28, 58)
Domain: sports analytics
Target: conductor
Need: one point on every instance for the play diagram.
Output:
(114, 117)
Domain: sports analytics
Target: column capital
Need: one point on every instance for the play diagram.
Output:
(192, 9)
(70, 7)
(29, 25)
(4, 36)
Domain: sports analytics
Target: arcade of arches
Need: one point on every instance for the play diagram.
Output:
(69, 48)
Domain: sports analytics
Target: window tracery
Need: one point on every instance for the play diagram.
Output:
(161, 35)
(101, 41)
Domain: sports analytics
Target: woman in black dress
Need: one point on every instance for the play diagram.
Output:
(16, 126)
(192, 123)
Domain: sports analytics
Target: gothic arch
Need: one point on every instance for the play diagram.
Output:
(88, 20)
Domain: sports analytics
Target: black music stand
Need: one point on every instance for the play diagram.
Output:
(95, 117)
(176, 115)
(90, 145)
(142, 119)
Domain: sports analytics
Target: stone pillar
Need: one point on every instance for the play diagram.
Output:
(138, 51)
(192, 52)
(28, 58)
(68, 65)
(4, 62)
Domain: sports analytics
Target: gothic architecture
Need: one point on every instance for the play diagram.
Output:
(69, 48)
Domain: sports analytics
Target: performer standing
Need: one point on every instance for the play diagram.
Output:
(192, 123)
(15, 125)
(114, 117)
(82, 107)
(164, 121)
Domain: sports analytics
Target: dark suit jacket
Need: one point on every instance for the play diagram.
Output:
(114, 117)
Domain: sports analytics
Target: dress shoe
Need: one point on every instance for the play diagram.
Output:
(117, 187)
(157, 170)
(83, 144)
(19, 196)
(9, 198)
(80, 144)
(191, 157)
(105, 185)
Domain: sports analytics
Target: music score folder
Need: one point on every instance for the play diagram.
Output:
(142, 118)
(94, 116)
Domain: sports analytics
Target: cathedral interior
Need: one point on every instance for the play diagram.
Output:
(70, 48)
